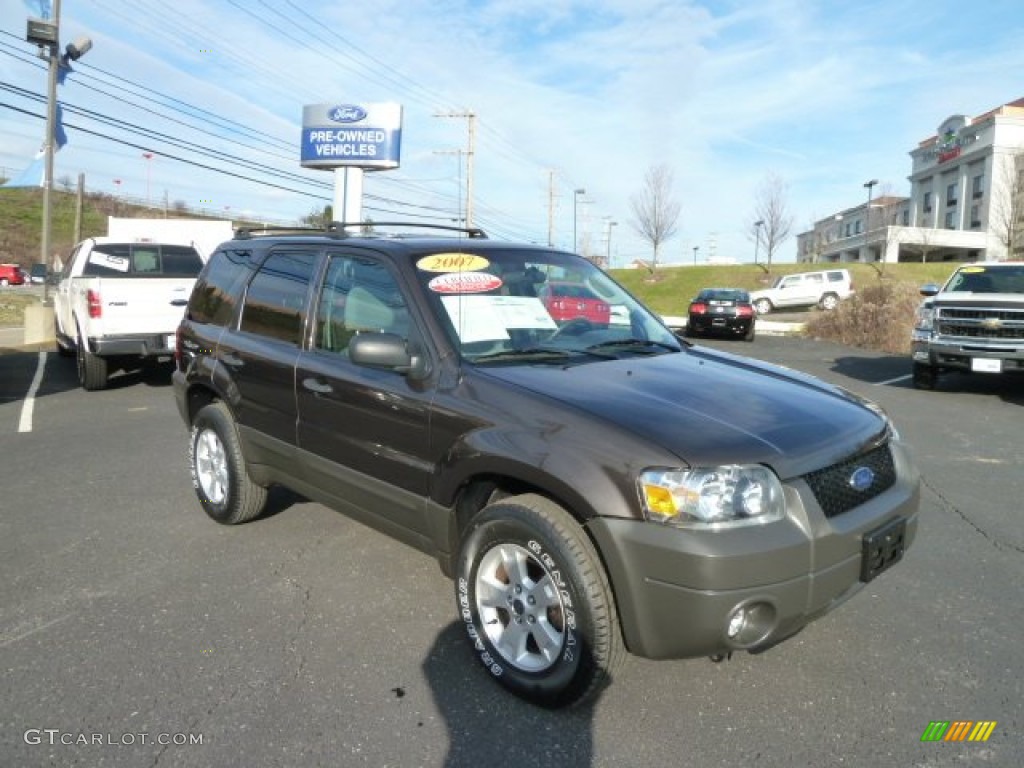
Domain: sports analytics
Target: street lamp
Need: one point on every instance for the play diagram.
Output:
(757, 236)
(609, 241)
(867, 211)
(575, 197)
(47, 36)
(695, 249)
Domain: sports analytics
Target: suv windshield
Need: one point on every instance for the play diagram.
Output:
(531, 306)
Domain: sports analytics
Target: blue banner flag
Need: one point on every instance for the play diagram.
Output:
(31, 176)
(59, 137)
(43, 8)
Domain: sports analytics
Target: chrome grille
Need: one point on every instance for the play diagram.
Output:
(981, 323)
(832, 485)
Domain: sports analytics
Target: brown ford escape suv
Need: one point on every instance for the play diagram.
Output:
(592, 488)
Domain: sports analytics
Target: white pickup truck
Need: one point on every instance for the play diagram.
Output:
(120, 299)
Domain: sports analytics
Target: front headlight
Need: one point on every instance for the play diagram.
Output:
(924, 318)
(712, 496)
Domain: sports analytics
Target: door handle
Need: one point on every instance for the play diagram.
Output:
(314, 385)
(179, 302)
(231, 359)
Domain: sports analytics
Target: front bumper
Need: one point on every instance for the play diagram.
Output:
(952, 354)
(676, 589)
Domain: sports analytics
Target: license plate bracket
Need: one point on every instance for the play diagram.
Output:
(882, 548)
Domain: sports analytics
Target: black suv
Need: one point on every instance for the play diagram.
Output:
(591, 487)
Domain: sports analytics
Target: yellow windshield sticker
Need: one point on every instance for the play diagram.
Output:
(971, 269)
(453, 262)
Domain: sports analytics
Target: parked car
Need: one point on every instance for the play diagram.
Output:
(38, 274)
(974, 323)
(591, 489)
(824, 289)
(120, 301)
(720, 311)
(568, 301)
(11, 274)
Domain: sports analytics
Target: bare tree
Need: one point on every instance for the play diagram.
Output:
(925, 236)
(1006, 215)
(773, 221)
(655, 211)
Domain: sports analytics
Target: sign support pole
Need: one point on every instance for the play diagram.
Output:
(348, 194)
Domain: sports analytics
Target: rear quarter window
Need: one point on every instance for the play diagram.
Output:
(216, 293)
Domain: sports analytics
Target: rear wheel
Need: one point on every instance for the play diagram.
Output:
(536, 602)
(829, 301)
(219, 475)
(925, 376)
(749, 335)
(763, 306)
(92, 369)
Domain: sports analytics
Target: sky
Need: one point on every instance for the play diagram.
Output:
(567, 95)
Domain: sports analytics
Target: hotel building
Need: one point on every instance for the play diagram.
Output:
(966, 201)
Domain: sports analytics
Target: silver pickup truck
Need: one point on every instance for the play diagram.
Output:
(120, 299)
(973, 323)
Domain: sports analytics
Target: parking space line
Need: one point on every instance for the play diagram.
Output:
(905, 377)
(27, 408)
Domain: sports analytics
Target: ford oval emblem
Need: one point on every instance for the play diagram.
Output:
(862, 478)
(346, 113)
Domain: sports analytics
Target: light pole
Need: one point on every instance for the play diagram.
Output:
(46, 34)
(757, 236)
(609, 242)
(867, 212)
(695, 249)
(575, 197)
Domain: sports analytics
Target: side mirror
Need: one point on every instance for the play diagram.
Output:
(929, 289)
(388, 351)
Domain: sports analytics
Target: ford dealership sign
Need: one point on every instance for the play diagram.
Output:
(358, 135)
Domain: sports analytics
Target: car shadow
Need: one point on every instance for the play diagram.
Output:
(875, 368)
(483, 720)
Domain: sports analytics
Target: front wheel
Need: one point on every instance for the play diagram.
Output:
(219, 475)
(536, 602)
(924, 376)
(763, 306)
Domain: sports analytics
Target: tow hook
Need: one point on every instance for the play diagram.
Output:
(718, 658)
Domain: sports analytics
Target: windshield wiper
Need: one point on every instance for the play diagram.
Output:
(540, 354)
(645, 345)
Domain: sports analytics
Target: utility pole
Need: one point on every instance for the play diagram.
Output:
(551, 208)
(470, 117)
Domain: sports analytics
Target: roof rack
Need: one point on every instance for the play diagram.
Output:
(474, 232)
(244, 233)
(341, 229)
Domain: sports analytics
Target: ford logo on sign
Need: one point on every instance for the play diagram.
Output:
(862, 478)
(346, 113)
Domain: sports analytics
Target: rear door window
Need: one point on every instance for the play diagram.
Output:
(275, 303)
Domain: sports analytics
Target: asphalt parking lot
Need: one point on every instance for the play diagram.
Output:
(128, 619)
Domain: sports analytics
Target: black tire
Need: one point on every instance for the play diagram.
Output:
(749, 335)
(93, 371)
(829, 302)
(925, 376)
(690, 332)
(219, 475)
(576, 624)
(763, 306)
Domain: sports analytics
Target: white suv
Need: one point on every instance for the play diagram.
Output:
(804, 289)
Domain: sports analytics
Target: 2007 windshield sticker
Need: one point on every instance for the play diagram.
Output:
(464, 282)
(452, 262)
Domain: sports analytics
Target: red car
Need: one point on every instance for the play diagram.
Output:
(567, 301)
(11, 274)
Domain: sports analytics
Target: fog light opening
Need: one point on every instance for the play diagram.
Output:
(749, 624)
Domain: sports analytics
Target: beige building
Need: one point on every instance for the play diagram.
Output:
(966, 201)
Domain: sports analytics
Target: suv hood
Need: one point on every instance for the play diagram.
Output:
(711, 408)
